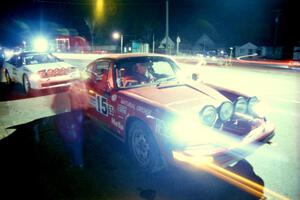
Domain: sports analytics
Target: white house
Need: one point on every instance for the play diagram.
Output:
(204, 43)
(246, 49)
(162, 44)
(270, 52)
(296, 54)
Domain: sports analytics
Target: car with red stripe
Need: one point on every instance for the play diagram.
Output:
(166, 115)
(36, 71)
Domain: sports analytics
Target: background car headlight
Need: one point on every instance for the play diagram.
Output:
(208, 115)
(240, 105)
(226, 111)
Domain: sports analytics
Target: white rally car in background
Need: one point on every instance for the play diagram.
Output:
(39, 71)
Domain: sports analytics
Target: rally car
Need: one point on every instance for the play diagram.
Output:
(164, 115)
(38, 71)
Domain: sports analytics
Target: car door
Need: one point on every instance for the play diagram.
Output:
(99, 91)
(13, 66)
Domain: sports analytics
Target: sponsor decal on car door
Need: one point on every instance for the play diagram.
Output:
(100, 99)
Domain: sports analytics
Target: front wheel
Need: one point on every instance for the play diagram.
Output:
(26, 84)
(142, 148)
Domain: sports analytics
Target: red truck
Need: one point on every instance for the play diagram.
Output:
(71, 44)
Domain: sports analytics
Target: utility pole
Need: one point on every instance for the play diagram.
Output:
(121, 43)
(275, 39)
(177, 44)
(167, 27)
(276, 28)
(153, 44)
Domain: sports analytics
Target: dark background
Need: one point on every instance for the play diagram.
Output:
(228, 22)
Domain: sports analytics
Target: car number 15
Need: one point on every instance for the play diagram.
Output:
(101, 105)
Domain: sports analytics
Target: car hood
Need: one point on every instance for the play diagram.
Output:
(45, 66)
(179, 97)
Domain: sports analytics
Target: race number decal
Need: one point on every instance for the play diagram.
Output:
(101, 105)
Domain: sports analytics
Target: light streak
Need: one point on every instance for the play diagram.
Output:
(262, 62)
(231, 177)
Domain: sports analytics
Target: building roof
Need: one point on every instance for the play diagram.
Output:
(163, 42)
(204, 39)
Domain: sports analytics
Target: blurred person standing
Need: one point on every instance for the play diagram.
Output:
(69, 121)
(2, 57)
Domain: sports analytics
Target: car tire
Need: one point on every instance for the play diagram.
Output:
(7, 78)
(26, 85)
(142, 148)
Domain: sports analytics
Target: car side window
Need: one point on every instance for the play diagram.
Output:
(20, 61)
(17, 61)
(99, 67)
(100, 70)
(13, 60)
(98, 73)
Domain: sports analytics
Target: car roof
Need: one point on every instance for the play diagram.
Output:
(130, 55)
(23, 54)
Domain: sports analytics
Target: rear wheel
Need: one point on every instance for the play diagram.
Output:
(143, 148)
(26, 84)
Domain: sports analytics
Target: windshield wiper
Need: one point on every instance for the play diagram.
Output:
(165, 79)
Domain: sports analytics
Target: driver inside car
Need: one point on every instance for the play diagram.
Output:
(141, 73)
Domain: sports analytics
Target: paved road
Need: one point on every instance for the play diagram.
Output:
(279, 164)
(276, 165)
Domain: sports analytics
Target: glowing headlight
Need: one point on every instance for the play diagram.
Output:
(208, 115)
(189, 130)
(251, 103)
(240, 105)
(226, 111)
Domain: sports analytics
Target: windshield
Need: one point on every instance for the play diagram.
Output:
(140, 71)
(33, 59)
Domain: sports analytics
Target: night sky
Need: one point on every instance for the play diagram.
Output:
(228, 22)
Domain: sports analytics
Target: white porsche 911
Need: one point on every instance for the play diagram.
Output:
(36, 71)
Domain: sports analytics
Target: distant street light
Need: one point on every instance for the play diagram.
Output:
(116, 36)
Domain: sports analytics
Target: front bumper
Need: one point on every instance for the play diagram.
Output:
(53, 82)
(227, 155)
